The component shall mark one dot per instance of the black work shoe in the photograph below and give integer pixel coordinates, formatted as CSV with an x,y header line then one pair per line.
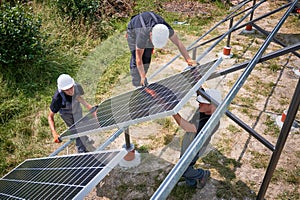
x,y
183,184
202,181
82,150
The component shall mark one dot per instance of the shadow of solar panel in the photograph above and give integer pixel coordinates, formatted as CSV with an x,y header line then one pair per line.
x,y
64,177
157,100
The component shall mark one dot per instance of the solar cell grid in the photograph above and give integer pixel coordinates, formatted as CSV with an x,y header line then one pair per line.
x,y
64,177
145,103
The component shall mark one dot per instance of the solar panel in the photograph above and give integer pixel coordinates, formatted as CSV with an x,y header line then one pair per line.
x,y
159,99
60,177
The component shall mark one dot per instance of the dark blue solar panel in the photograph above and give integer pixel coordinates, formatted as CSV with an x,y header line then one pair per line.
x,y
145,103
62,177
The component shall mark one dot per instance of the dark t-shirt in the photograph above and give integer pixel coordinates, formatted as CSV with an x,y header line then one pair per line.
x,y
199,120
138,36
57,100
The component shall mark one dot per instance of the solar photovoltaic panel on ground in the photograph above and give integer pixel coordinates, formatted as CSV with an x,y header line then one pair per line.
x,y
157,100
60,177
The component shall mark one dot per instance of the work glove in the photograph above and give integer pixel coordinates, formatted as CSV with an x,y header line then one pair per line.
x,y
57,138
191,62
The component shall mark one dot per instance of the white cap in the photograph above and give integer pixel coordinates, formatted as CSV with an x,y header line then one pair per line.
x,y
160,35
65,82
213,93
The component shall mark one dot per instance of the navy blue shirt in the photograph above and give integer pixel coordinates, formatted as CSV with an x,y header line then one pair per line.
x,y
57,100
139,36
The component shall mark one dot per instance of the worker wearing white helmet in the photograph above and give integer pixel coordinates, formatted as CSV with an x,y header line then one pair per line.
x,y
66,101
197,178
146,31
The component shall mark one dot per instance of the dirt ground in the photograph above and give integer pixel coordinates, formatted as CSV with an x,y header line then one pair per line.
x,y
255,104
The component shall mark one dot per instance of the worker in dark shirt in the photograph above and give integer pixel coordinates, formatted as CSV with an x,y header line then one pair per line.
x,y
145,32
66,101
197,178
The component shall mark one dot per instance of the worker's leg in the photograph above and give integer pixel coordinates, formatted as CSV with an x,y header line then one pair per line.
x,y
196,177
80,144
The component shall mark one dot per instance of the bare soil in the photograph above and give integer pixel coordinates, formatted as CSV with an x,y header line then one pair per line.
x,y
242,160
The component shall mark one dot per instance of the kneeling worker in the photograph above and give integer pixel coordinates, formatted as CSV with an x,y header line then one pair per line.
x,y
197,178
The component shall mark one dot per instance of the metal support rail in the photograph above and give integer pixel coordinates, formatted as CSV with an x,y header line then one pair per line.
x,y
263,16
293,108
62,147
110,139
228,32
244,24
284,133
195,42
251,16
242,124
100,148
275,40
269,56
168,184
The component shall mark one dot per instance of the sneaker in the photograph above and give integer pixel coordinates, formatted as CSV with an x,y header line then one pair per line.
x,y
82,150
202,181
90,141
183,184
88,144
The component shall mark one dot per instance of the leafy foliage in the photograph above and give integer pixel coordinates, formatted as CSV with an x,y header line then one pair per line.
x,y
78,9
21,39
99,17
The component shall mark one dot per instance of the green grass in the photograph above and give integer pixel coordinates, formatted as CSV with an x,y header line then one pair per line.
x,y
289,176
166,123
228,186
271,128
182,192
289,195
233,129
260,160
142,149
25,95
234,189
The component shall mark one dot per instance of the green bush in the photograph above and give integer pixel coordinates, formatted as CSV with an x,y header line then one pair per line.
x,y
98,18
20,36
9,109
77,9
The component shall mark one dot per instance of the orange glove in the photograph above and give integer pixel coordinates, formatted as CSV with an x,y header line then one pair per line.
x,y
190,62
57,138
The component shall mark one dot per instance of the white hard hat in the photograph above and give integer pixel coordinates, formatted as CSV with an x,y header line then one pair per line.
x,y
160,35
215,94
65,82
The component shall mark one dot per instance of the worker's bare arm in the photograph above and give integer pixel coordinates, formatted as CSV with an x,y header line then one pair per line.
x,y
174,38
184,124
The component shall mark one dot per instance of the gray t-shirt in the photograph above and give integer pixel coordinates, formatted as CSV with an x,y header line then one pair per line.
x,y
139,35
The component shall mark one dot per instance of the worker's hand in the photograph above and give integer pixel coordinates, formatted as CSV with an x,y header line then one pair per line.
x,y
93,111
191,62
144,82
56,138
